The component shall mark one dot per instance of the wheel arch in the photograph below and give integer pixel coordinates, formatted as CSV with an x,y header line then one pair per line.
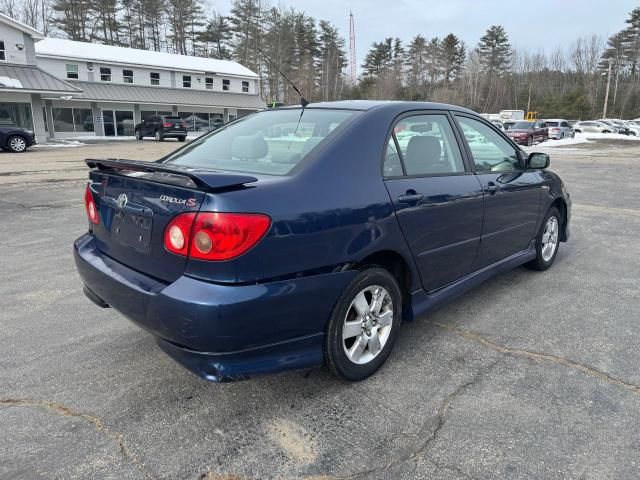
x,y
395,264
561,205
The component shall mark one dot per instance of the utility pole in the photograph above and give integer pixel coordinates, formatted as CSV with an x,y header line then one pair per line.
x,y
606,95
352,50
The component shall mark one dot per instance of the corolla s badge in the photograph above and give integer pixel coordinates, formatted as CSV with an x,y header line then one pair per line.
x,y
187,202
122,200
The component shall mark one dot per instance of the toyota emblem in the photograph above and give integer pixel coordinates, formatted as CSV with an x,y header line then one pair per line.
x,y
122,200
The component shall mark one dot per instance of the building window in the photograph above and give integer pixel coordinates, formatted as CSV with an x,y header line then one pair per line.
x,y
3,52
72,71
208,83
186,81
155,78
72,120
127,76
226,84
245,87
105,74
16,114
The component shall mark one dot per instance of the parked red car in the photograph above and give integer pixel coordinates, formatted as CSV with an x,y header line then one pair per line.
x,y
528,133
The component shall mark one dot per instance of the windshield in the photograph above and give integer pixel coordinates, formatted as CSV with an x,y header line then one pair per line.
x,y
270,142
522,126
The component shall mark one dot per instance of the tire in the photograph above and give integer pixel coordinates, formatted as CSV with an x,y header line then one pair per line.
x,y
17,144
182,139
158,136
356,357
529,141
544,255
606,131
576,131
562,136
139,135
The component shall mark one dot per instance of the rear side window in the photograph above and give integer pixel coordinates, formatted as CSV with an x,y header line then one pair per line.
x,y
270,142
427,146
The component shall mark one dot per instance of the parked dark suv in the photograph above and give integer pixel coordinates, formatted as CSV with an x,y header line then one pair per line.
x,y
16,139
161,127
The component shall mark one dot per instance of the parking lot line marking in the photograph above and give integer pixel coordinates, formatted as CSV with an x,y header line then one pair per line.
x,y
516,352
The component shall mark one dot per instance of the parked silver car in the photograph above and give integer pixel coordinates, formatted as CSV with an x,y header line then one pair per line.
x,y
559,128
592,127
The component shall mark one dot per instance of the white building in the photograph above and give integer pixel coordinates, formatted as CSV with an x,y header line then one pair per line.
x,y
62,88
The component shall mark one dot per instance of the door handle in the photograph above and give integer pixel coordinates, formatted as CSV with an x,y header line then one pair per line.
x,y
410,198
491,188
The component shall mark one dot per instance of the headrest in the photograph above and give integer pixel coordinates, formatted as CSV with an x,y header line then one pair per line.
x,y
423,149
249,147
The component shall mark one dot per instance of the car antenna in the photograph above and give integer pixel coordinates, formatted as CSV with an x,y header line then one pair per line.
x,y
303,101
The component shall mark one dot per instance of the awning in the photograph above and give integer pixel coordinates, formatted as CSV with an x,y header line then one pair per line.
x,y
109,92
31,79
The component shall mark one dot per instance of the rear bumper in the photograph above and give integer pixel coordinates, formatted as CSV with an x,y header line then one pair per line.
x,y
220,332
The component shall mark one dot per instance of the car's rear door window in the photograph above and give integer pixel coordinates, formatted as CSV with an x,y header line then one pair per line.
x,y
427,146
269,142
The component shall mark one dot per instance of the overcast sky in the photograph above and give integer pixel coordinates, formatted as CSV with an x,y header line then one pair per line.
x,y
535,24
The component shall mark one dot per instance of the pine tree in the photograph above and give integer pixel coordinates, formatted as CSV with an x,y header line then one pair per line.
x,y
416,67
216,37
452,52
245,19
494,51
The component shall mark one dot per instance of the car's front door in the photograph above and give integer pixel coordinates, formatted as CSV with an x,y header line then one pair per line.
x,y
512,194
438,201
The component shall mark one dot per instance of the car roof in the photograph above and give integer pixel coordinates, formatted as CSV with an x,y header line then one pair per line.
x,y
396,105
555,120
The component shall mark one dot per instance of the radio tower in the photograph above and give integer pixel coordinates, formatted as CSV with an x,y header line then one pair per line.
x,y
352,50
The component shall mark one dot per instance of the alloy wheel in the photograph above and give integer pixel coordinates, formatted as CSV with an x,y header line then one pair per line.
x,y
17,144
550,238
367,324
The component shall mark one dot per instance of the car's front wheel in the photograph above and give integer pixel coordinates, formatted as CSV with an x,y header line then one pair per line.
x,y
547,241
364,325
158,136
139,135
529,141
182,139
16,144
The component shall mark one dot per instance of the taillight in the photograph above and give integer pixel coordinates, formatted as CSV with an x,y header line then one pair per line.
x,y
178,232
90,206
166,124
215,236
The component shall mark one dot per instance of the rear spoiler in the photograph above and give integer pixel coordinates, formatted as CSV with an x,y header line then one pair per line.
x,y
174,174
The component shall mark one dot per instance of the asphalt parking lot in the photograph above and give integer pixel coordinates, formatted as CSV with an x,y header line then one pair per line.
x,y
531,375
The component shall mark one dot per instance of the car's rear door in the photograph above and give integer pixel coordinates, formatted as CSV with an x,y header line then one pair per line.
x,y
437,199
512,194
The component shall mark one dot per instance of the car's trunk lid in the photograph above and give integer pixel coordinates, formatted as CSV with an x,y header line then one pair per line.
x,y
136,201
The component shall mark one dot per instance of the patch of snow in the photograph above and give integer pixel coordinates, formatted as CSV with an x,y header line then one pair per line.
x,y
582,138
61,48
10,82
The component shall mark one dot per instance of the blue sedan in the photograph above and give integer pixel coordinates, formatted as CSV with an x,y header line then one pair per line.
x,y
298,237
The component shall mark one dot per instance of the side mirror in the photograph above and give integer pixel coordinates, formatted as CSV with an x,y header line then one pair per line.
x,y
538,160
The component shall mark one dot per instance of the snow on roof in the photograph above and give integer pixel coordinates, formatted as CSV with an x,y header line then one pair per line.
x,y
96,52
35,34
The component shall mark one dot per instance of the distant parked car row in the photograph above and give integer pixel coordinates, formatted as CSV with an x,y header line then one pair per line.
x,y
609,125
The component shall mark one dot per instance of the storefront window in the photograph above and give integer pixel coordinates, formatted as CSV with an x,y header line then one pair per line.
x,y
72,120
18,114
83,118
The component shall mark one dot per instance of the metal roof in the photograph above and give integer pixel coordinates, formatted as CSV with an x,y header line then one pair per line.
x,y
109,92
29,78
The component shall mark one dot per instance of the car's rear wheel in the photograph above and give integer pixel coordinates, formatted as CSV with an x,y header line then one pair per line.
x,y
547,241
139,135
562,136
182,139
158,136
529,141
364,325
16,144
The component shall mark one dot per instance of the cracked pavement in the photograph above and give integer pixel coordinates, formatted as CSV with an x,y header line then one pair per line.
x,y
531,375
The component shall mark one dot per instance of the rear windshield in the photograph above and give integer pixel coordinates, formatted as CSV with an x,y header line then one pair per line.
x,y
270,142
523,125
552,124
